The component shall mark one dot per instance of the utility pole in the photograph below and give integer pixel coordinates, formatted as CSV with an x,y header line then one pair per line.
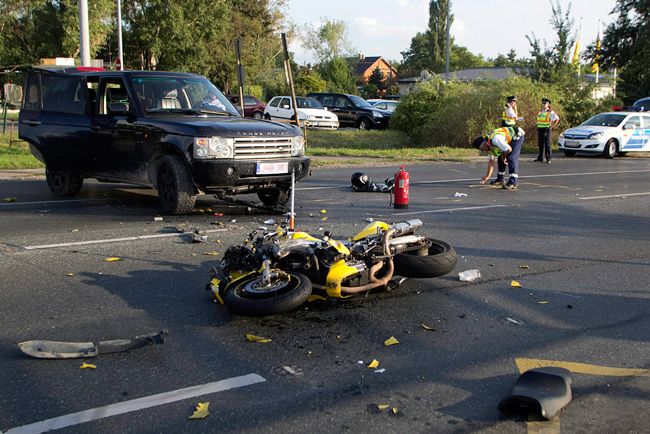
x,y
447,40
120,54
84,39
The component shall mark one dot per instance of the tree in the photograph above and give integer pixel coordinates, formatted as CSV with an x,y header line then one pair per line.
x,y
338,75
437,32
328,41
626,45
378,79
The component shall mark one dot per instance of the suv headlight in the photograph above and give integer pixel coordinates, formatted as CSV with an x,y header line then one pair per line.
x,y
376,114
297,145
595,135
213,147
562,135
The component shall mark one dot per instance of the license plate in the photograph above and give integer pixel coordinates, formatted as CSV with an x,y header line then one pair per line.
x,y
571,144
272,168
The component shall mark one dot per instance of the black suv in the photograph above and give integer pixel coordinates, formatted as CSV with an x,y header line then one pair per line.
x,y
353,111
174,131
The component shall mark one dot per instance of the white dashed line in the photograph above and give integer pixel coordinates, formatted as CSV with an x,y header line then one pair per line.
x,y
468,208
622,195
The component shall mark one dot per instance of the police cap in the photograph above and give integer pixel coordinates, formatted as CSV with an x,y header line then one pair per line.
x,y
511,98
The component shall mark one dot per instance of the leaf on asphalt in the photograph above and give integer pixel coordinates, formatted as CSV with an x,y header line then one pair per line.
x,y
374,364
314,297
9,199
542,302
85,365
211,253
258,339
525,266
382,407
426,327
391,341
112,259
515,284
201,411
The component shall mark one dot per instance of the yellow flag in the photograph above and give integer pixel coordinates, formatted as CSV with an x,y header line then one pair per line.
x,y
575,60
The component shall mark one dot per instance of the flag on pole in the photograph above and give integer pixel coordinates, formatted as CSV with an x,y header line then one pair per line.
x,y
575,59
595,67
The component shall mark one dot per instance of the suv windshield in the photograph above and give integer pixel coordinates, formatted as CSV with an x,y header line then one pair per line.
x,y
605,120
360,102
180,95
310,103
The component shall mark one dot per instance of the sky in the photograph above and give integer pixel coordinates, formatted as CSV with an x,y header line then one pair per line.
x,y
488,27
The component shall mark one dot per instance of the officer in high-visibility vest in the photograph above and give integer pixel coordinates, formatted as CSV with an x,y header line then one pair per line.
x,y
509,117
504,142
547,119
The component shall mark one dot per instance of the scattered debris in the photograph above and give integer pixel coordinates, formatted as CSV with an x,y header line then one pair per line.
x,y
544,391
391,341
370,220
269,222
514,321
525,266
460,194
515,284
70,274
217,214
324,219
112,259
157,219
198,236
315,297
427,327
233,221
382,407
374,364
542,302
380,371
75,350
462,315
75,230
211,253
8,199
85,365
568,306
469,275
323,211
394,410
258,339
201,411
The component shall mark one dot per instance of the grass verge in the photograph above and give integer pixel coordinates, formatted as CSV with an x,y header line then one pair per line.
x,y
15,154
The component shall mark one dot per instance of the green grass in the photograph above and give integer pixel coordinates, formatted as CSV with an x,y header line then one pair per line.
x,y
16,155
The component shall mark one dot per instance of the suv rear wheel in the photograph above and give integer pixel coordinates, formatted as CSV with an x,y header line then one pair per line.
x,y
364,124
63,183
274,196
176,190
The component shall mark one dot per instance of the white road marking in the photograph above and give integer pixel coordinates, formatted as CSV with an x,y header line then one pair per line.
x,y
614,195
115,240
556,175
137,404
467,208
45,202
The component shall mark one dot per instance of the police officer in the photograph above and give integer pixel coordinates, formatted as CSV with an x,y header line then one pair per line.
x,y
547,119
502,143
509,117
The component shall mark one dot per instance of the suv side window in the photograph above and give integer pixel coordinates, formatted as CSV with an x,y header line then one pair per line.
x,y
275,102
63,94
341,102
32,95
327,101
285,101
112,90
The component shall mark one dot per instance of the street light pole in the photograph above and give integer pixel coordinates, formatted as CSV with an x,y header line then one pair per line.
x,y
84,39
120,55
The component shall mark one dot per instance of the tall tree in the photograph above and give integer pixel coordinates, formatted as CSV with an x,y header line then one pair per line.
x,y
328,41
437,32
626,45
378,79
338,74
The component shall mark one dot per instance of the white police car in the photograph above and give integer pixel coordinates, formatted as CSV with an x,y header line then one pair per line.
x,y
608,134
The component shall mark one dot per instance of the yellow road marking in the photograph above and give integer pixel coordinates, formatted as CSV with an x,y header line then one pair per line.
x,y
524,364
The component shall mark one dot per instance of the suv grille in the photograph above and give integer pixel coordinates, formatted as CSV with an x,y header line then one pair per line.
x,y
256,148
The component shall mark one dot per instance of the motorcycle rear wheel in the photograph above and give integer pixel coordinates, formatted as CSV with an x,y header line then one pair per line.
x,y
438,260
248,296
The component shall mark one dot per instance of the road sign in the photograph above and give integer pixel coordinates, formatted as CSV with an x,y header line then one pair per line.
x,y
118,63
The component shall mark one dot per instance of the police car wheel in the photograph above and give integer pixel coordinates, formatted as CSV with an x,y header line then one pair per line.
x,y
610,149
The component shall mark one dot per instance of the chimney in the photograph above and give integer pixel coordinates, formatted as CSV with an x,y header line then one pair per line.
x,y
362,56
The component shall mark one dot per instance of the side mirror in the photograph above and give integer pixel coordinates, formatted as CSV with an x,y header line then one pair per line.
x,y
325,108
118,108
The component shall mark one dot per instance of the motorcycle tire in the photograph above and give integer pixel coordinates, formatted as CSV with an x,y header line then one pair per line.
x,y
438,260
247,297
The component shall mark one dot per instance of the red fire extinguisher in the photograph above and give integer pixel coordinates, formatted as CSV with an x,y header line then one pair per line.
x,y
401,189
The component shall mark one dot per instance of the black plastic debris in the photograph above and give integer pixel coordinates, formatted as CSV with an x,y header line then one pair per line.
x,y
543,391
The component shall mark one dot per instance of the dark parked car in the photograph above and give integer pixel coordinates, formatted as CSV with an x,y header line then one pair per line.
x,y
353,111
174,131
253,107
642,105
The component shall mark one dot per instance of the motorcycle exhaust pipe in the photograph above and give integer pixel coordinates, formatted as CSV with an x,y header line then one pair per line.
x,y
407,227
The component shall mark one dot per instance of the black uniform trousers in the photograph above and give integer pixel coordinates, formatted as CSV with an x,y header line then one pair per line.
x,y
544,143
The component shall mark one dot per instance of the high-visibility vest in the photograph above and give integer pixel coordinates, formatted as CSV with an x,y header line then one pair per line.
x,y
544,119
507,120
507,132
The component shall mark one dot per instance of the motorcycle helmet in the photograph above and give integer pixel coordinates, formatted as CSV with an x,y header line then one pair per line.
x,y
360,181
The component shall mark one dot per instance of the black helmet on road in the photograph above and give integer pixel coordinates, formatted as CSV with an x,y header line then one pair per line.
x,y
360,180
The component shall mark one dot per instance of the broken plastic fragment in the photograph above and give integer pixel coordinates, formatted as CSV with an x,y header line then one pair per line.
x,y
201,411
391,341
258,339
374,364
380,371
460,194
70,274
514,321
157,219
269,222
525,266
314,297
515,284
112,259
211,253
469,275
85,365
542,302
324,219
323,211
9,199
426,327
394,410
382,407
370,220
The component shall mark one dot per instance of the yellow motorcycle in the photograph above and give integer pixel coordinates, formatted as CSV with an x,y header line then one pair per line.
x,y
276,272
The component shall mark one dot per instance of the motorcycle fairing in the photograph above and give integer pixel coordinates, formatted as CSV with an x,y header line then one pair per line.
x,y
371,230
337,273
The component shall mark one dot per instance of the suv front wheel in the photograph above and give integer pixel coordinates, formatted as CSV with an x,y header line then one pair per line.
x,y
274,196
63,183
176,190
364,124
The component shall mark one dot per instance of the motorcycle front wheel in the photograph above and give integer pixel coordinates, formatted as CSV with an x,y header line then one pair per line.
x,y
435,261
250,296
